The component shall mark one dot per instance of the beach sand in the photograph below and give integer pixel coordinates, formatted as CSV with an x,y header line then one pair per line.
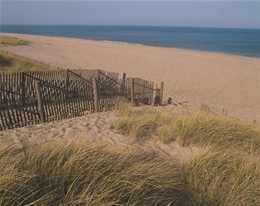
x,y
190,77
96,129
221,81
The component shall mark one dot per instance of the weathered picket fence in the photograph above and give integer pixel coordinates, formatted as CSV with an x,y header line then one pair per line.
x,y
42,96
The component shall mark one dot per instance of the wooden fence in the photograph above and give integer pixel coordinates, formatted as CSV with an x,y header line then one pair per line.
x,y
42,96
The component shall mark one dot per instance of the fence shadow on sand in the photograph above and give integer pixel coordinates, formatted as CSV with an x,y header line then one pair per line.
x,y
43,96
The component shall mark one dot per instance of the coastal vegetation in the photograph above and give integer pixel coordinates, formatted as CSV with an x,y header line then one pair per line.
x,y
138,124
11,63
75,172
188,127
12,41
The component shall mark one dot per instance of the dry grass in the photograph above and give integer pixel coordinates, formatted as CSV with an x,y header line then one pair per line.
x,y
75,172
200,129
12,41
222,177
10,63
138,124
165,127
228,171
130,123
208,129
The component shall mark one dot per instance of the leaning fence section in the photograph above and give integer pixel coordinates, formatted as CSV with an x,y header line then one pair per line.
x,y
17,102
110,91
144,92
42,96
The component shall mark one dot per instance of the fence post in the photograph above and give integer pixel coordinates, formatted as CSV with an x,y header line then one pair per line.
x,y
40,103
123,82
154,94
67,79
161,93
98,73
132,91
95,92
23,89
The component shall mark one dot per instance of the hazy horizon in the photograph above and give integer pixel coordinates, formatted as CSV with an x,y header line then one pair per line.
x,y
202,14
125,26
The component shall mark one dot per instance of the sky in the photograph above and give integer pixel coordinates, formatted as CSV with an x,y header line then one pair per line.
x,y
219,13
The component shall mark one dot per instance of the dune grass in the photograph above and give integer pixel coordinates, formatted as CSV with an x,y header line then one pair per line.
x,y
10,63
137,125
165,130
131,123
12,41
208,129
188,127
222,177
227,172
75,172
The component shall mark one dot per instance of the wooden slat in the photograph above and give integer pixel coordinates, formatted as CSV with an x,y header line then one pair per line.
x,y
64,94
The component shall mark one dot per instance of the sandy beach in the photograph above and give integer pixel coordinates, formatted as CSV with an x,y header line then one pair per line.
x,y
218,80
190,77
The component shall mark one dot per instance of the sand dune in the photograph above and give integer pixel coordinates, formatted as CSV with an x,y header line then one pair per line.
x,y
95,128
190,77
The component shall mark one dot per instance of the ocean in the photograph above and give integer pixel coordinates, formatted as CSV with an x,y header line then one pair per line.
x,y
243,42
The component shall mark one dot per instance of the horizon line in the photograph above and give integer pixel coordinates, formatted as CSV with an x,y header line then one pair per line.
x,y
121,25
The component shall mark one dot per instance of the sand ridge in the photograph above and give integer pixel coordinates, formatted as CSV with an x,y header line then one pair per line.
x,y
95,129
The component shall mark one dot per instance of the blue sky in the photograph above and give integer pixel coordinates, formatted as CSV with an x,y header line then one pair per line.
x,y
224,14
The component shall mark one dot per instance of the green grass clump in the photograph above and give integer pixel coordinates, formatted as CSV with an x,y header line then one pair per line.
x,y
131,123
10,63
222,177
77,173
134,126
227,171
12,41
165,127
165,134
123,110
207,129
189,128
138,124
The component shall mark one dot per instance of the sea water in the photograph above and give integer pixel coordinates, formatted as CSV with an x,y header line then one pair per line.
x,y
243,42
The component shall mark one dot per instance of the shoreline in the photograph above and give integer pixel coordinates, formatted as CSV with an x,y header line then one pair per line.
x,y
168,47
129,43
221,81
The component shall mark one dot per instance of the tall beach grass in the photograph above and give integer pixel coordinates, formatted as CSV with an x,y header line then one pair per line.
x,y
208,129
12,41
188,127
11,63
75,172
222,177
137,124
